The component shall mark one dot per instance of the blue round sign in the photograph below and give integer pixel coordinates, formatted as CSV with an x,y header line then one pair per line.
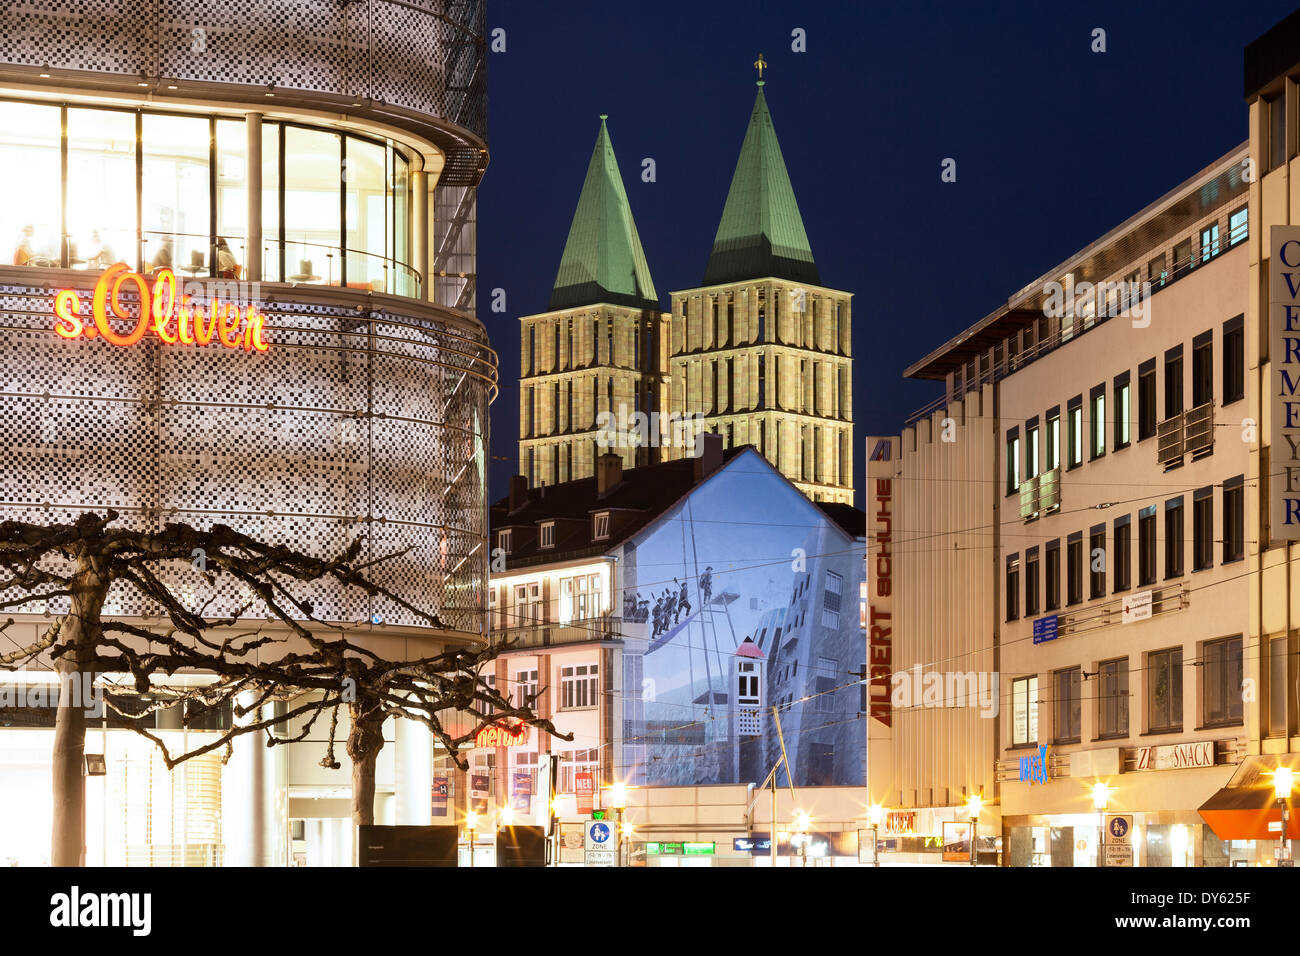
x,y
1118,826
599,832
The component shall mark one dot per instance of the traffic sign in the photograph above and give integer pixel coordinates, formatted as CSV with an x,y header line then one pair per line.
x,y
1119,854
1045,628
599,843
1118,828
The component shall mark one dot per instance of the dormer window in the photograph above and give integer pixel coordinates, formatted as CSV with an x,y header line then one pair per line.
x,y
503,540
548,534
600,525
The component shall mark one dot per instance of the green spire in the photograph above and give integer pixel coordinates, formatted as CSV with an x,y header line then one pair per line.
x,y
603,260
761,233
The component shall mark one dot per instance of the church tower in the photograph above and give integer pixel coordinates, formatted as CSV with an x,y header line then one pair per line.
x,y
597,357
762,350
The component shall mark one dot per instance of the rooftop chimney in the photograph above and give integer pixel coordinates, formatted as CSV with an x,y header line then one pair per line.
x,y
708,454
518,492
609,473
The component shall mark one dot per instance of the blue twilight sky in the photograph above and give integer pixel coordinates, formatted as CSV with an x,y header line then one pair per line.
x,y
1054,145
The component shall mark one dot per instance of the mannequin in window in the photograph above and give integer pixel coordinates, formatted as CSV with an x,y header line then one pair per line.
x,y
23,252
227,266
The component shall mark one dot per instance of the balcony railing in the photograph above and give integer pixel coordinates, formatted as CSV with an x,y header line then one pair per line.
x,y
1190,432
1040,494
607,627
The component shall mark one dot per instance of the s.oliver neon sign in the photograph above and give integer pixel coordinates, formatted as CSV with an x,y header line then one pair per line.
x,y
174,318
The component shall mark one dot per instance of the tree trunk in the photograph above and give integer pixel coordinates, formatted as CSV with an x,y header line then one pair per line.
x,y
365,740
68,833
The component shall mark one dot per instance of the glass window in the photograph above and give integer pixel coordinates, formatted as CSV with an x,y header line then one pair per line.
x,y
1075,436
1202,369
1112,703
1147,399
174,201
1054,439
369,232
1068,709
1097,423
1174,544
1238,226
1157,271
399,216
29,166
1147,546
1097,564
1223,681
271,270
1013,461
1031,452
1234,520
1052,575
311,206
1210,241
1123,411
1013,587
232,198
578,686
1031,582
1024,710
1165,690
1074,571
101,188
1173,382
1234,361
1123,554
1203,530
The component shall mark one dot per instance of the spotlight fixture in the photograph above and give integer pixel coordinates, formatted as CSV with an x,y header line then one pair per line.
x,y
270,89
144,79
45,72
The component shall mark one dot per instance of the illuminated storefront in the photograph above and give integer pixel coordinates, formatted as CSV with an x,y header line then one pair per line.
x,y
239,287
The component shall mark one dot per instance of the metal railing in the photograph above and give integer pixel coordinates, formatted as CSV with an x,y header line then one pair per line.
x,y
1190,432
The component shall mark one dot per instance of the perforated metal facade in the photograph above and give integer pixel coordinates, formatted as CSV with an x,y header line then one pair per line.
x,y
422,56
366,417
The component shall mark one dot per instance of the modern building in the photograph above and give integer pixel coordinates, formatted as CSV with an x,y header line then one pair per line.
x,y
1125,584
661,626
318,169
599,349
762,351
760,354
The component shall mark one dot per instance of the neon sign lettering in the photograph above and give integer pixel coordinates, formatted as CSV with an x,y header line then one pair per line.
x,y
176,320
502,735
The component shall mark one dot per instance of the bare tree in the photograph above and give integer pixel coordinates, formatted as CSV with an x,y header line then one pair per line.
x,y
279,653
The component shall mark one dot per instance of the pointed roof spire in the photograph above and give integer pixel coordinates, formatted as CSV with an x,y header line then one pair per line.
x,y
603,260
761,233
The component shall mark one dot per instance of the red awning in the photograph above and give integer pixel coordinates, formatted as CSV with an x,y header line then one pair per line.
x,y
1247,807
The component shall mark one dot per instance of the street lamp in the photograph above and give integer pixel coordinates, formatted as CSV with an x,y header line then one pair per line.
x,y
1282,783
618,800
1100,797
801,823
507,817
471,822
973,807
877,816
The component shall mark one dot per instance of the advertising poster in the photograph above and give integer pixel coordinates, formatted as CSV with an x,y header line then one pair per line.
x,y
441,791
700,582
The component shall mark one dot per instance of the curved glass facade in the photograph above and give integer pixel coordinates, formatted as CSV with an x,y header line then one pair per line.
x,y
96,185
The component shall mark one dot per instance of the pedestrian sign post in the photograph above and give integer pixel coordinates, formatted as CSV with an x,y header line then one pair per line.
x,y
600,843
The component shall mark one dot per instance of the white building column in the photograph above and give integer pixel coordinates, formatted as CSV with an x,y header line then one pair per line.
x,y
253,178
420,237
254,799
413,772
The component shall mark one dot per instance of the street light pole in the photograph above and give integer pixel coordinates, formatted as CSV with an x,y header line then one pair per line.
x,y
471,820
973,807
1100,797
1282,783
877,813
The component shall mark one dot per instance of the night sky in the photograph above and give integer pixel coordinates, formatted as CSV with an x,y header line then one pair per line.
x,y
1054,145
